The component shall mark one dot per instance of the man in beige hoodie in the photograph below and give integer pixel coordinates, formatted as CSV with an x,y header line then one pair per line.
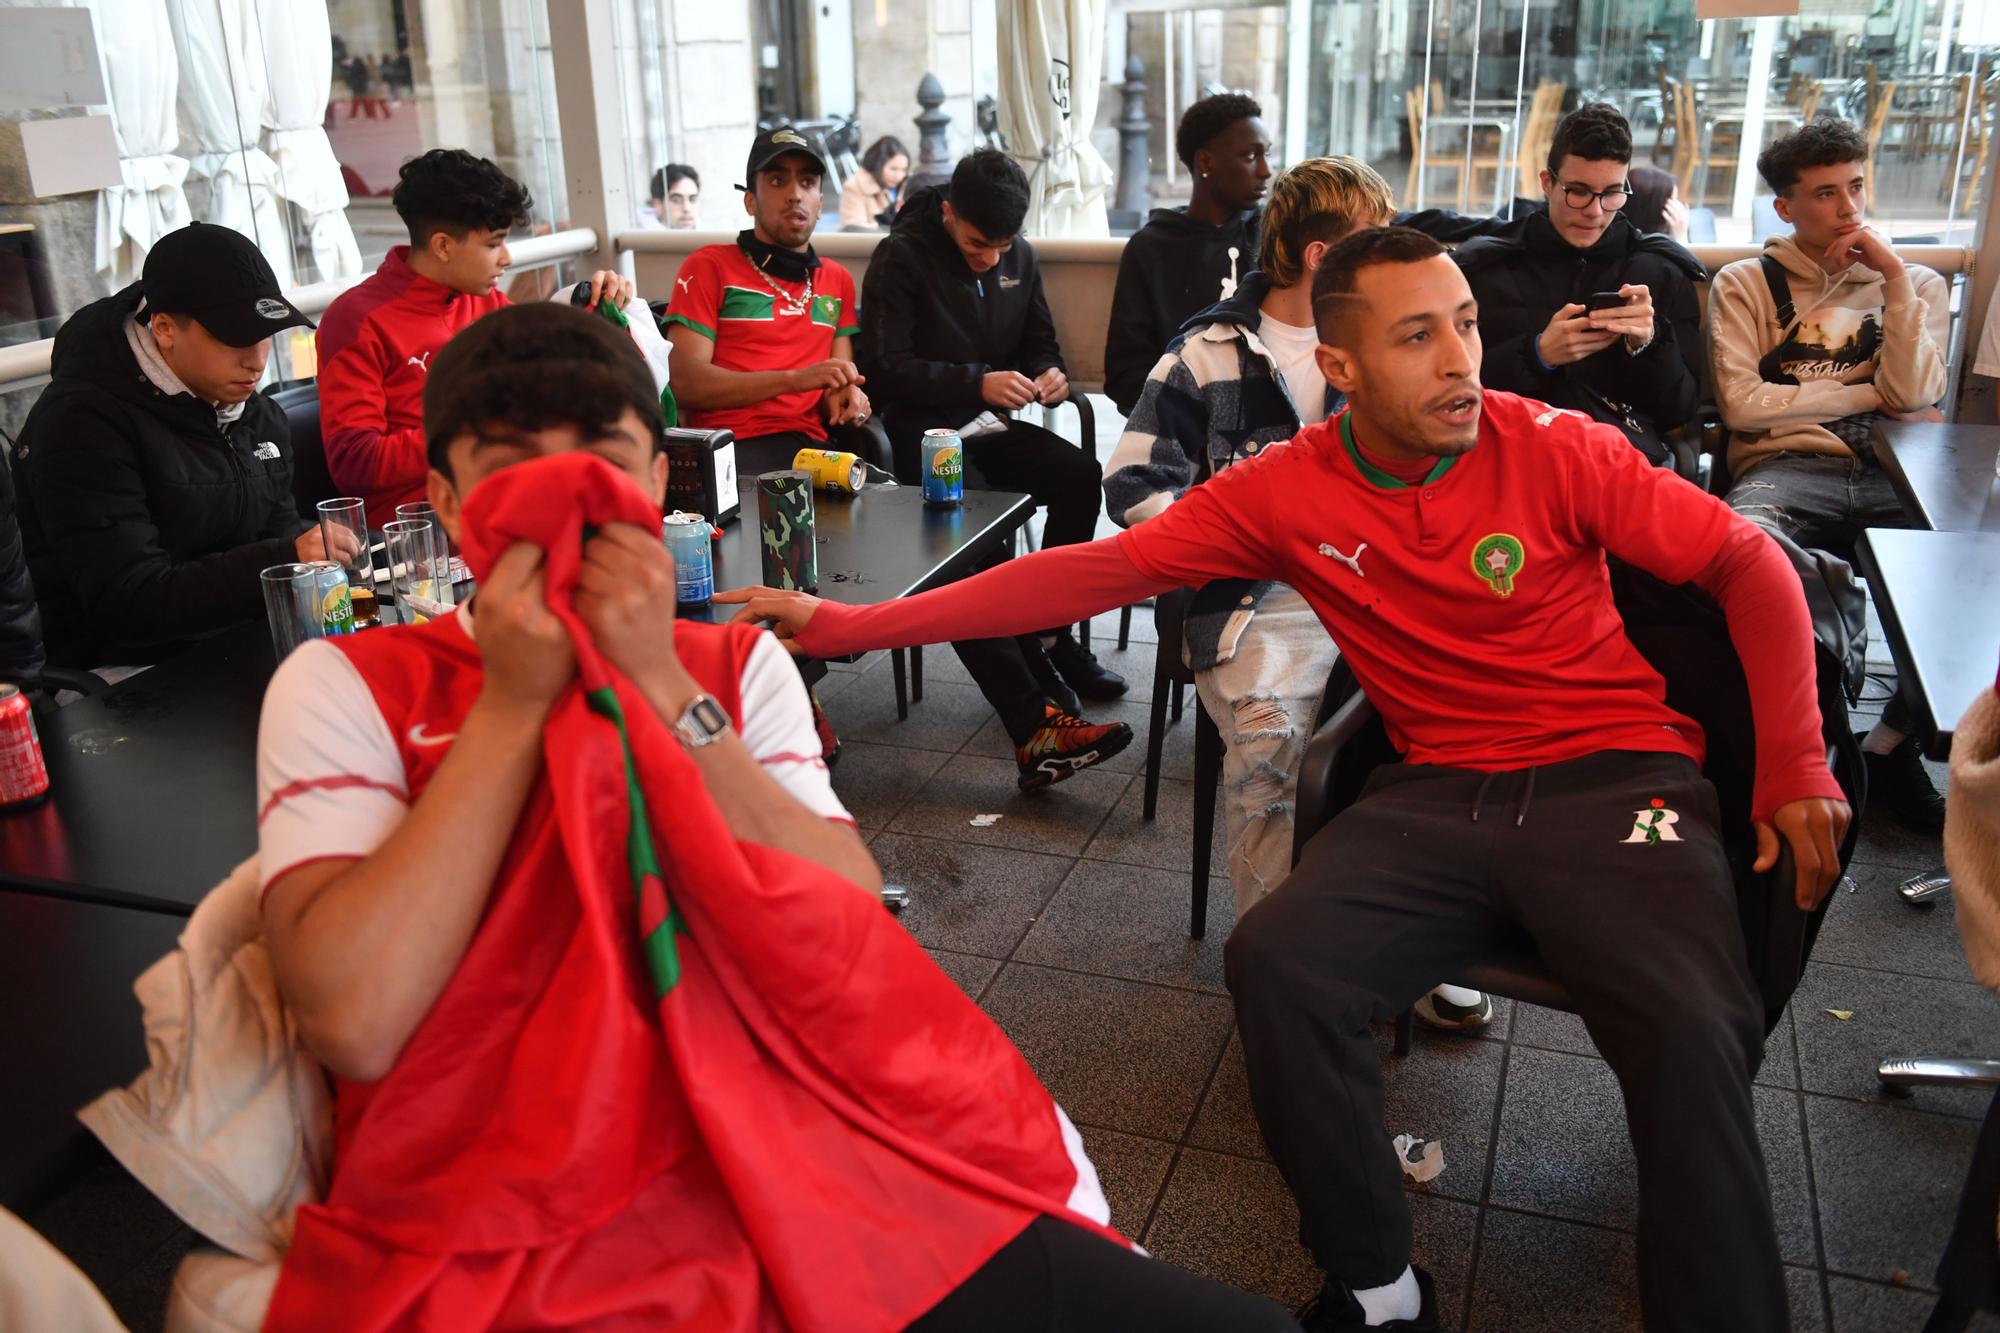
x,y
1811,343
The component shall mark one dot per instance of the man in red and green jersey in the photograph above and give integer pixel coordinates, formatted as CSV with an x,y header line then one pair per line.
x,y
763,330
1454,543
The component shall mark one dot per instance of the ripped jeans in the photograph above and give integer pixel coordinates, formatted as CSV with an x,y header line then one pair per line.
x,y
1264,700
1821,501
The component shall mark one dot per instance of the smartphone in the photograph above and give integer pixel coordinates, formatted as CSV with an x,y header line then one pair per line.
x,y
1603,301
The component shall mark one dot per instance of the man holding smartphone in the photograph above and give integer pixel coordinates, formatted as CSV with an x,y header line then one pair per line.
x,y
1579,308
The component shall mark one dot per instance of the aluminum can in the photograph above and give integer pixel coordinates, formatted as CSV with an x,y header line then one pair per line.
x,y
831,469
687,541
944,469
331,595
24,775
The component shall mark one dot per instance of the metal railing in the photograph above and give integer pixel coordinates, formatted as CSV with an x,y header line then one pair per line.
x,y
26,365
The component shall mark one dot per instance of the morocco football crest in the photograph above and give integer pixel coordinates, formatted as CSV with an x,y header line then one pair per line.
x,y
1498,559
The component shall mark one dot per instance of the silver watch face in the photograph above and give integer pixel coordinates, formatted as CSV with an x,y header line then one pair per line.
x,y
704,719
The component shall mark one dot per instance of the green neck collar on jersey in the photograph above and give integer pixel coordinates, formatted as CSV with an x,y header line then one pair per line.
x,y
1375,475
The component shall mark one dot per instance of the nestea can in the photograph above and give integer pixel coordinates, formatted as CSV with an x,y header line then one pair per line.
x,y
944,469
24,775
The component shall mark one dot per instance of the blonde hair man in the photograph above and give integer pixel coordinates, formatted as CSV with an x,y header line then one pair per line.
x,y
1243,376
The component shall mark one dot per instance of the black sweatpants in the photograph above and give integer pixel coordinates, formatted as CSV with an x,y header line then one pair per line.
x,y
1014,675
1058,1278
1611,866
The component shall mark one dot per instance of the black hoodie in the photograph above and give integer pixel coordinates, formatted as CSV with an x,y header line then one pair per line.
x,y
931,328
1524,275
146,520
1172,269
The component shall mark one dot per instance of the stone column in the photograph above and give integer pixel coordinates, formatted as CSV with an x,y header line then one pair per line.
x,y
1135,193
934,160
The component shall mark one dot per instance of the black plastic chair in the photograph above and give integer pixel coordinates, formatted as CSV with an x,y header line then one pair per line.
x,y
312,481
1170,677
1682,634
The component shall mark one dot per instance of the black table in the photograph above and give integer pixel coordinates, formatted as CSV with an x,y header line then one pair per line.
x,y
153,785
1943,473
1938,594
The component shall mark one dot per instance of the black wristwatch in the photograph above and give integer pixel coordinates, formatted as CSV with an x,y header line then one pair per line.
x,y
702,723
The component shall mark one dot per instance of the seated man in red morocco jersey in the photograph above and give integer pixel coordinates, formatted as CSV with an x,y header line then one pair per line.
x,y
1453,541
621,1036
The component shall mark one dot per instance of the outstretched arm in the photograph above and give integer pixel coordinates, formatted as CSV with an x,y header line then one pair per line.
x,y
1053,587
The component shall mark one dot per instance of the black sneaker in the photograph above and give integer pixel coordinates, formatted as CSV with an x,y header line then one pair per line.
x,y
1334,1310
1065,744
1898,782
1082,672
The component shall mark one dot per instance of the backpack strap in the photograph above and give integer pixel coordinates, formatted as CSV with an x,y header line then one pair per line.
x,y
1781,290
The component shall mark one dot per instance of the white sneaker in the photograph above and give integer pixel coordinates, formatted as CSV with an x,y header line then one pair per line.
x,y
1439,1011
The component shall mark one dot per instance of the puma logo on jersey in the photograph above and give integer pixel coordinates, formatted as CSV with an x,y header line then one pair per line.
x,y
266,450
1353,562
420,362
418,736
1550,414
681,283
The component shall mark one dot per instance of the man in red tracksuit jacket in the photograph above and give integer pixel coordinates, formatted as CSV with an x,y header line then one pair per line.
x,y
376,341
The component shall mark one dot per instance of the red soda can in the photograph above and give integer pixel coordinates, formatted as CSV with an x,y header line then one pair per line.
x,y
24,776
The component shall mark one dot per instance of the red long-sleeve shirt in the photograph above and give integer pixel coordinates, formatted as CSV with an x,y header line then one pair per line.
x,y
375,347
1474,605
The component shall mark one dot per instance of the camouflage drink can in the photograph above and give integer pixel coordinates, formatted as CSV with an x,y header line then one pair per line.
x,y
24,774
944,469
785,531
833,470
332,597
694,566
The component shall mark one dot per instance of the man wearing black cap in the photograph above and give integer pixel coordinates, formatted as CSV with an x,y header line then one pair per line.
x,y
763,330
155,479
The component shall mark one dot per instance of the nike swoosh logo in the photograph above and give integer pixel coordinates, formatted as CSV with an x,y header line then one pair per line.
x,y
419,737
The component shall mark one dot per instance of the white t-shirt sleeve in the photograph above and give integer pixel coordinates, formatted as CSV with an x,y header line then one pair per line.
x,y
778,729
1987,362
330,780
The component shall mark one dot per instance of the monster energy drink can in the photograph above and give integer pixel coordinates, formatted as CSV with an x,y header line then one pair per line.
x,y
944,469
785,531
694,566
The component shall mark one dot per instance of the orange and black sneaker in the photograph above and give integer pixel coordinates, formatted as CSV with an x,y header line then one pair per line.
x,y
829,744
1066,744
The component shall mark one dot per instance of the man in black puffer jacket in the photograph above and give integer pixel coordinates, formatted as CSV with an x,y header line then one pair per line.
x,y
1636,366
156,482
22,658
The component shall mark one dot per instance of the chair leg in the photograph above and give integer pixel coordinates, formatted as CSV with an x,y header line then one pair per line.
x,y
1156,730
1947,1316
1406,1031
1178,692
902,685
1124,628
917,674
1207,777
1083,634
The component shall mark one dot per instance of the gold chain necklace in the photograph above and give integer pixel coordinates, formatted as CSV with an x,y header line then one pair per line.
x,y
791,305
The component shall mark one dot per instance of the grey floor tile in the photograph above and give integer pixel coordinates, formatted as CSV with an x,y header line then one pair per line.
x,y
1537,1274
1874,927
945,720
967,898
1446,1089
1888,1181
1233,1220
1892,1015
1134,663
970,972
1061,819
1128,921
1808,1302
1104,627
1130,1170
866,662
1564,1149
1225,1122
874,782
1870,1307
1115,1053
1559,1030
1884,842
1167,841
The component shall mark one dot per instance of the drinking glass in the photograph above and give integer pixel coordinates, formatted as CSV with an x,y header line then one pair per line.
x,y
343,526
291,602
420,568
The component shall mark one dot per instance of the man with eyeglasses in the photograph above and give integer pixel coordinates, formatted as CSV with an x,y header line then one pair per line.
x,y
1579,308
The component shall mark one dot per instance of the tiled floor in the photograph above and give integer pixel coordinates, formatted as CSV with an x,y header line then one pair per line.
x,y
1067,920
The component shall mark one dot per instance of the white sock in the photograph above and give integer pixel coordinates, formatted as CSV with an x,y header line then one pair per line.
x,y
1882,738
1462,996
1399,1300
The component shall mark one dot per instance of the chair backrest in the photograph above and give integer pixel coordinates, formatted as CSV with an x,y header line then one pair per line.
x,y
311,480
